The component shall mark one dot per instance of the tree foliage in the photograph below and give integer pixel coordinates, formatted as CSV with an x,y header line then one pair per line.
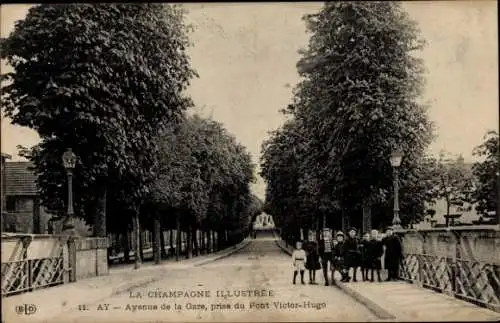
x,y
448,178
358,100
104,80
486,173
205,175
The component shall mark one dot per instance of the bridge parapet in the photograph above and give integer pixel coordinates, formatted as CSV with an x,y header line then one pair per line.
x,y
32,261
463,262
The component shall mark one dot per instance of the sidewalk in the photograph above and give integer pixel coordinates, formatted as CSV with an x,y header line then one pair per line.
x,y
54,300
403,301
410,302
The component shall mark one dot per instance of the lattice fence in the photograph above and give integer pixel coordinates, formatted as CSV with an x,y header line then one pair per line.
x,y
473,281
26,275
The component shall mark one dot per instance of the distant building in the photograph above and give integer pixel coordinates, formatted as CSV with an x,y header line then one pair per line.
x,y
21,209
263,221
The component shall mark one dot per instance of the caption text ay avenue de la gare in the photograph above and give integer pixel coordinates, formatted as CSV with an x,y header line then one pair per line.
x,y
191,306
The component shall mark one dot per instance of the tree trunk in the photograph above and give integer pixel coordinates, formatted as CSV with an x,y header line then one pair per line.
x,y
153,238
171,249
163,254
220,240
196,242
212,241
184,242
202,241
178,238
126,246
189,242
205,242
209,241
137,233
141,243
36,217
345,221
158,235
203,246
100,215
367,216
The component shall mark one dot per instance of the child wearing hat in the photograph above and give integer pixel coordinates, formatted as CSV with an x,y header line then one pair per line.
x,y
299,261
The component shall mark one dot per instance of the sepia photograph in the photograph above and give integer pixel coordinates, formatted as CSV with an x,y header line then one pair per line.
x,y
250,162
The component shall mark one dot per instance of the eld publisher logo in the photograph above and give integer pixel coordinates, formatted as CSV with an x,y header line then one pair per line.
x,y
26,309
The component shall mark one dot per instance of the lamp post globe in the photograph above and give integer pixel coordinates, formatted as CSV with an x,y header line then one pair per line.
x,y
69,161
395,159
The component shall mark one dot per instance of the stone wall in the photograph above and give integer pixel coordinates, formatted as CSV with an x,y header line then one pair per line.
x,y
91,257
475,243
38,246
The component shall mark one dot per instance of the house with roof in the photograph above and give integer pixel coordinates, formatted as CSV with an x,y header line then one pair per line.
x,y
21,208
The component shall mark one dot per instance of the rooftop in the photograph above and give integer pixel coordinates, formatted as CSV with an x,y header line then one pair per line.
x,y
20,179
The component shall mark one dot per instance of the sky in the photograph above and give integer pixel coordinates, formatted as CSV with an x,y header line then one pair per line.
x,y
246,53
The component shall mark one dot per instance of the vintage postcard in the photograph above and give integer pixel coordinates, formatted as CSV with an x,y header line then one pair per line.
x,y
250,162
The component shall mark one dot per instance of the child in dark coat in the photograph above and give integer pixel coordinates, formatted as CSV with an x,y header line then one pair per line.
x,y
312,262
351,255
338,257
376,251
366,255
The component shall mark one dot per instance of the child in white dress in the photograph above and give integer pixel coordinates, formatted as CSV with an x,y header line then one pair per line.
x,y
299,262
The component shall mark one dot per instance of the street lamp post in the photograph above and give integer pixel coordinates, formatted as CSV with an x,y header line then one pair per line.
x,y
69,162
396,158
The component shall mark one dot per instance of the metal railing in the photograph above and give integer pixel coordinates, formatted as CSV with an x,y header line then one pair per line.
x,y
30,274
473,281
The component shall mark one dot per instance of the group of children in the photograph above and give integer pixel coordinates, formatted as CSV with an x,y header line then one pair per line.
x,y
346,253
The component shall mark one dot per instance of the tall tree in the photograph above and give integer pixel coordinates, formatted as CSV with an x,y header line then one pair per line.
x,y
361,96
281,157
453,182
103,79
418,190
357,102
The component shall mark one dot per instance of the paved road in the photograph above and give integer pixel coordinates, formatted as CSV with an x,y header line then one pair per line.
x,y
260,268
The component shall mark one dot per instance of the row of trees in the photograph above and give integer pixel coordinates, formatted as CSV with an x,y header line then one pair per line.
x,y
358,101
109,81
